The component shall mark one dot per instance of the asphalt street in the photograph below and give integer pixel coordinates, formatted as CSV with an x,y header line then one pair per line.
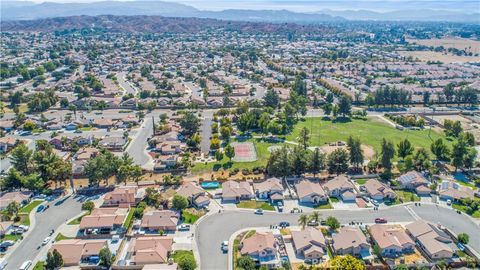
x,y
137,147
215,229
50,219
206,130
125,84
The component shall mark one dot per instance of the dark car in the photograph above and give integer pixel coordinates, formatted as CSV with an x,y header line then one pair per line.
x,y
380,220
284,224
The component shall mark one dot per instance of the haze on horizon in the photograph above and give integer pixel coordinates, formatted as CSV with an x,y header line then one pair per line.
x,y
470,6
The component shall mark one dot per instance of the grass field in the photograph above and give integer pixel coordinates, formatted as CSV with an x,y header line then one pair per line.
x,y
255,205
262,157
189,218
406,196
39,266
77,220
178,254
370,132
24,212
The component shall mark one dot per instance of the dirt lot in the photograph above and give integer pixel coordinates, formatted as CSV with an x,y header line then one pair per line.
x,y
467,124
459,43
437,56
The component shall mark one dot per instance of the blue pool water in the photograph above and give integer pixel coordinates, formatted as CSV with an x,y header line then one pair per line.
x,y
210,185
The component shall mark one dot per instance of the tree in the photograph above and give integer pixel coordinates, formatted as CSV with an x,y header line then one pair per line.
x,y
279,163
332,223
470,158
225,131
189,123
345,106
387,154
459,150
218,155
20,158
303,220
440,150
404,148
421,159
315,216
106,257
32,182
337,161
271,98
452,128
347,262
317,162
88,206
299,160
463,238
304,137
54,260
187,263
327,108
12,209
179,202
246,263
356,153
229,152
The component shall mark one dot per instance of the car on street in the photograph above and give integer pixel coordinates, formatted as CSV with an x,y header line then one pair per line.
x,y
40,208
259,212
224,246
25,133
380,220
7,243
184,227
284,224
313,223
449,202
26,265
46,240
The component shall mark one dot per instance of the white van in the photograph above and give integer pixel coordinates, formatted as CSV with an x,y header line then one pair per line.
x,y
26,265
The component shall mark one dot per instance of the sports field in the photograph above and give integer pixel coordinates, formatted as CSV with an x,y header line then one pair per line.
x,y
370,132
244,152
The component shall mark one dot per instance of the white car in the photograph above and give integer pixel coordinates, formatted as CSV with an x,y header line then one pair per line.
x,y
259,211
224,246
449,202
46,240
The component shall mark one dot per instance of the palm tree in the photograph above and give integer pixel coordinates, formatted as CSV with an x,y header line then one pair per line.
x,y
315,216
303,220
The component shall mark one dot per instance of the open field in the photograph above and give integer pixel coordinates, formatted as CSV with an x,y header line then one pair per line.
x,y
370,131
458,43
438,56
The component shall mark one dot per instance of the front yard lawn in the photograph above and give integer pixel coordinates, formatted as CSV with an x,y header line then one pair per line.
x,y
60,237
361,181
178,254
77,220
255,205
324,206
11,237
190,217
39,266
406,196
128,220
464,209
334,200
29,207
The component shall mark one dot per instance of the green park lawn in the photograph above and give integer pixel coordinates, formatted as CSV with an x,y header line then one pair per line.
x,y
255,205
370,132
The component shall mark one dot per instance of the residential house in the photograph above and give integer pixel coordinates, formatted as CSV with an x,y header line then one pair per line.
x,y
20,197
149,250
310,192
309,243
102,123
379,191
415,181
262,248
350,240
164,220
7,143
195,195
233,191
124,196
7,125
270,189
340,187
5,227
113,143
433,241
392,240
451,190
79,252
103,220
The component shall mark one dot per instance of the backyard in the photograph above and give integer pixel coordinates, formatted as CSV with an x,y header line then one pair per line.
x,y
370,131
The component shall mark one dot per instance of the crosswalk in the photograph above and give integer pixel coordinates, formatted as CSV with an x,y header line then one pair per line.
x,y
412,213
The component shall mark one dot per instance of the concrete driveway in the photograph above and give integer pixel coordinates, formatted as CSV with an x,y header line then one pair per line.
x,y
215,229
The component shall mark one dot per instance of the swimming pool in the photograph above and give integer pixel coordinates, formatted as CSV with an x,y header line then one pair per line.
x,y
210,185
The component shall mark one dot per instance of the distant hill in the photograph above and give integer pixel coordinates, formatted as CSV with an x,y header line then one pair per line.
x,y
150,24
405,15
17,10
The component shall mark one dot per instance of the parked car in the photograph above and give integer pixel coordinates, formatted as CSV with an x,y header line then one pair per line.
x,y
295,210
184,227
7,243
284,224
25,133
259,212
380,220
46,240
313,223
3,264
224,246
449,202
40,208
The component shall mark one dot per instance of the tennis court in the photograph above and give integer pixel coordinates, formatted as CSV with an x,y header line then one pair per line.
x,y
244,152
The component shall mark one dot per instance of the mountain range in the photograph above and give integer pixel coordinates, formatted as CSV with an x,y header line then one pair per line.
x,y
25,10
